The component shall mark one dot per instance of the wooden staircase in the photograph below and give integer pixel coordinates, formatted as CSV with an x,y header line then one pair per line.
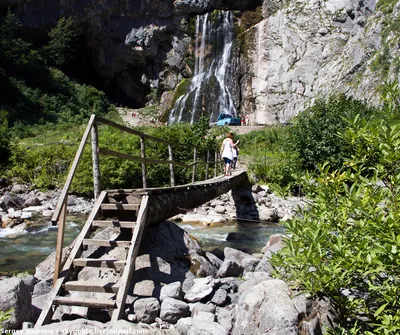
x,y
112,209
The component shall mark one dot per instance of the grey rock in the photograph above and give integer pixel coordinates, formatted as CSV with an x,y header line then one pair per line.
x,y
220,297
214,260
206,328
15,297
264,266
233,298
256,188
146,310
267,306
230,283
202,316
199,307
172,310
220,209
226,318
18,189
183,325
173,290
248,262
230,268
268,214
8,201
38,302
30,282
240,237
202,288
32,202
201,266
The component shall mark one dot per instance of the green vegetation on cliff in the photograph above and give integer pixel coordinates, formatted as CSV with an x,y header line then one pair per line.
x,y
35,93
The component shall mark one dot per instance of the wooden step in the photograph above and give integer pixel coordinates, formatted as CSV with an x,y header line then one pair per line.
x,y
107,243
114,223
99,263
91,286
68,301
119,206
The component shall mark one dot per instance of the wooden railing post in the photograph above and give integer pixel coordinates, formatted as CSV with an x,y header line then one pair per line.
x,y
221,164
171,166
96,162
60,240
194,164
215,163
207,161
143,155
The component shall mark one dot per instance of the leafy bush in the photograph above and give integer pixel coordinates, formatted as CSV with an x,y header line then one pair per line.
x,y
345,246
315,137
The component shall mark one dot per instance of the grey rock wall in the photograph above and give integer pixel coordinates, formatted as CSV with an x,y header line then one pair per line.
x,y
303,50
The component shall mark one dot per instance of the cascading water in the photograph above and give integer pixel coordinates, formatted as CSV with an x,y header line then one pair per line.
x,y
209,92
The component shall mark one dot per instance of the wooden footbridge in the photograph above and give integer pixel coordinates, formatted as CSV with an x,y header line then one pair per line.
x,y
130,210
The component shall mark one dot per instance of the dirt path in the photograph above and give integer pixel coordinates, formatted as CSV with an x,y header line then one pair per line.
x,y
240,130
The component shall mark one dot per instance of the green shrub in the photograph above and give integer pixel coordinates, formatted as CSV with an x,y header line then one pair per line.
x,y
345,246
315,134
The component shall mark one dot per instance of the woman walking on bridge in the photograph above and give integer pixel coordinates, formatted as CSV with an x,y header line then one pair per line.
x,y
226,153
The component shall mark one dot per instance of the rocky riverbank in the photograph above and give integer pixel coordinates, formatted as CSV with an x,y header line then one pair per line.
x,y
177,289
20,204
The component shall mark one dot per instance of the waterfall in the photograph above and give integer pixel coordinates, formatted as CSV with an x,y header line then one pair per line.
x,y
209,92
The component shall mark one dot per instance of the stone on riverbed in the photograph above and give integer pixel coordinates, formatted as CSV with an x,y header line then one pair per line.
x,y
16,301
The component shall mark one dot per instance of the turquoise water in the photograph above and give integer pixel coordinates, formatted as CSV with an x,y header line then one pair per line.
x,y
23,251
255,235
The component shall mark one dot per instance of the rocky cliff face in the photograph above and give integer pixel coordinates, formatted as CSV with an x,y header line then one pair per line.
x,y
307,49
285,52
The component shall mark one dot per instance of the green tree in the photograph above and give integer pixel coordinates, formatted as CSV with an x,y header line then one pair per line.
x,y
315,135
62,37
4,138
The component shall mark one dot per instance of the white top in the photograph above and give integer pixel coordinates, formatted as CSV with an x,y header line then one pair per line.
x,y
227,149
234,152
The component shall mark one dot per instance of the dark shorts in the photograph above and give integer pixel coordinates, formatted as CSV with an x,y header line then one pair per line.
x,y
227,160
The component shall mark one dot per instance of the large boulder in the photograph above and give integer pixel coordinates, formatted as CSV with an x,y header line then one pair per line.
x,y
16,302
267,307
146,310
202,288
248,262
172,310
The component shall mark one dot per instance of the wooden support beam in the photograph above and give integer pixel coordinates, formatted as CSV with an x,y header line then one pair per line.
x,y
60,240
143,156
171,165
194,164
207,163
95,303
215,163
96,161
131,258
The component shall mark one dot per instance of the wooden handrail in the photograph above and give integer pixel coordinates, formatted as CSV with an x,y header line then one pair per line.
x,y
68,182
133,131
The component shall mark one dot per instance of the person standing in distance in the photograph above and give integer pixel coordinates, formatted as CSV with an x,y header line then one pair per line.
x,y
247,119
226,153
